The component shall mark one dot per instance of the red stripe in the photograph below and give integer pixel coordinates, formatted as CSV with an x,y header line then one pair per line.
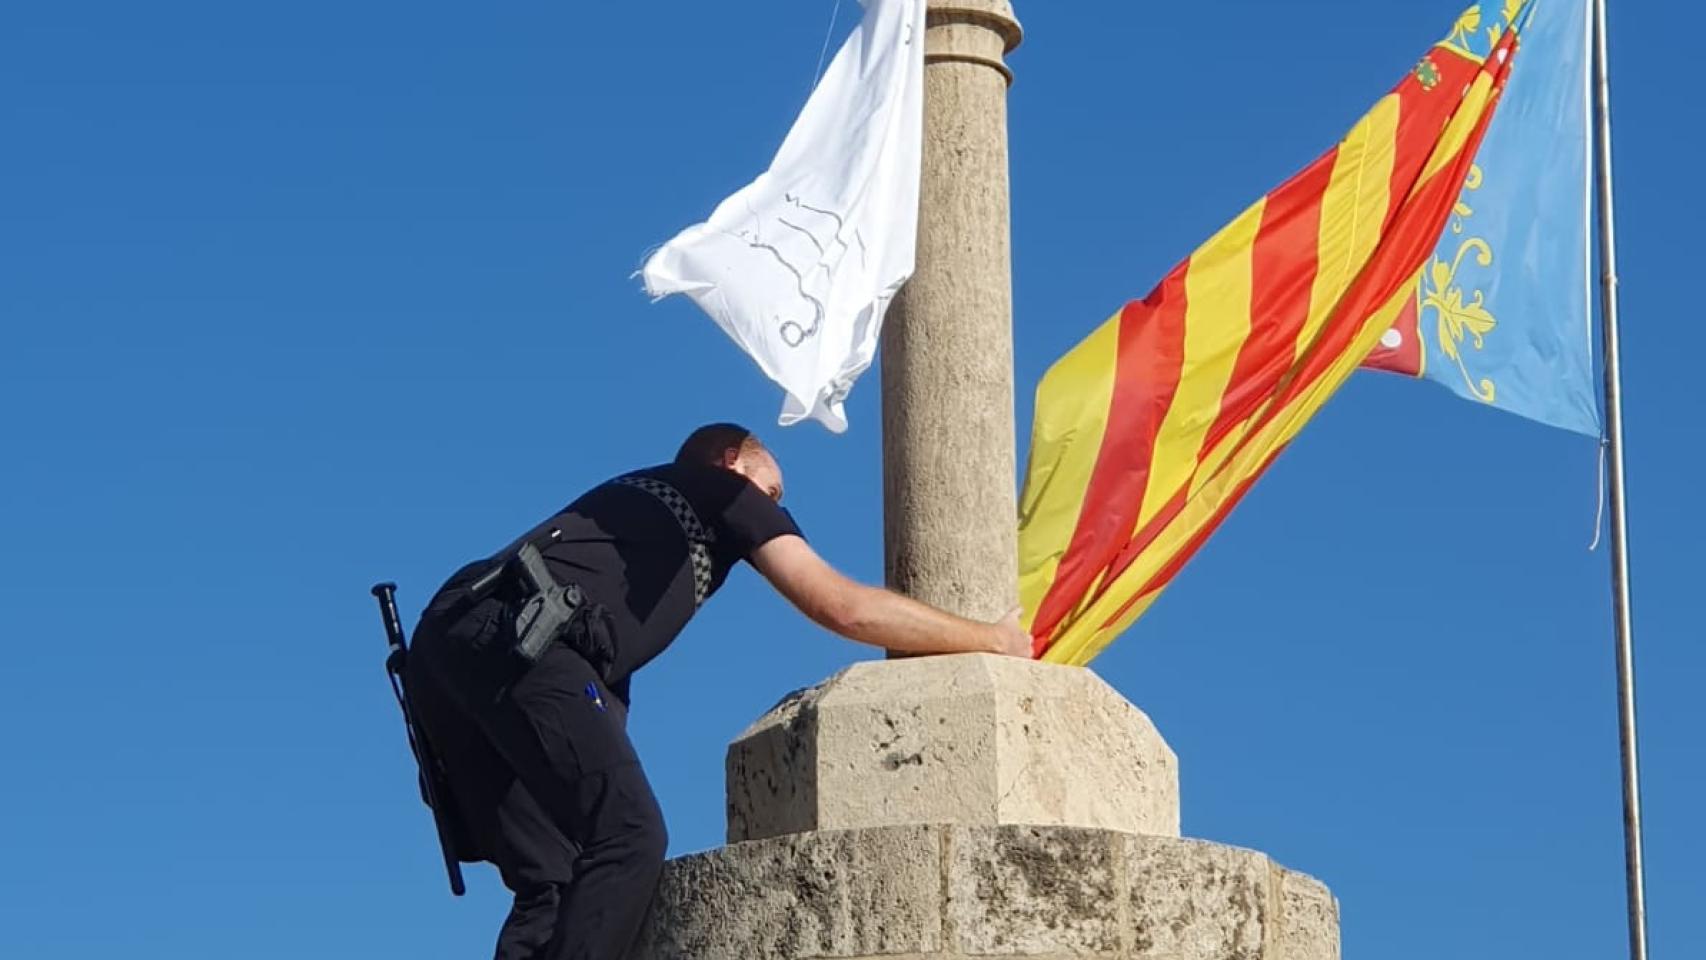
x,y
1282,268
1406,358
1421,124
1151,353
1191,546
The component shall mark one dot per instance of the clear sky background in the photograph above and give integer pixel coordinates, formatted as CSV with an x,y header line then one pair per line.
x,y
298,297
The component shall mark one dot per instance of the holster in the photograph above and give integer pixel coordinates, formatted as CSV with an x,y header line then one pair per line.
x,y
542,611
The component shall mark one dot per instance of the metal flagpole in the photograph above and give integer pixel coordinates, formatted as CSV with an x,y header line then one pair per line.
x,y
1637,896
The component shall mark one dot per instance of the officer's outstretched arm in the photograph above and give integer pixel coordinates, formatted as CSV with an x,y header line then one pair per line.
x,y
875,616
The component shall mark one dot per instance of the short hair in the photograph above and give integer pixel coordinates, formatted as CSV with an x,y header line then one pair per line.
x,y
709,443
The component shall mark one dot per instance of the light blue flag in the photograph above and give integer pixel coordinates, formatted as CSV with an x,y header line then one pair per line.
x,y
1502,312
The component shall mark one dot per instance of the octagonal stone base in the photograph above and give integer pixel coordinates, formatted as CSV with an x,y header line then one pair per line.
x,y
974,740
955,892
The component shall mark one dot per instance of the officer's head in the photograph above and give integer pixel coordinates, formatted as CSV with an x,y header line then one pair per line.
x,y
734,448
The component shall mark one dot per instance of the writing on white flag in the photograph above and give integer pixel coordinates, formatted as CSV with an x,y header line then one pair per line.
x,y
799,267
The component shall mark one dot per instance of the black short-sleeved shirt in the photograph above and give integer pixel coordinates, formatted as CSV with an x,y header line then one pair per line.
x,y
654,544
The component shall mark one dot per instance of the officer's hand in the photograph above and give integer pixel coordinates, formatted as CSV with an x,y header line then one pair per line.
x,y
1012,640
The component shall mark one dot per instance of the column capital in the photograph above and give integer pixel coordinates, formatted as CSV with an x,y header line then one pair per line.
x,y
972,31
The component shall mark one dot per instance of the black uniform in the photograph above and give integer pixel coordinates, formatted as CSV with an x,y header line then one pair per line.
x,y
546,782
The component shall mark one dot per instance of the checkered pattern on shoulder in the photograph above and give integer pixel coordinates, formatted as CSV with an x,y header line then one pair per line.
x,y
699,537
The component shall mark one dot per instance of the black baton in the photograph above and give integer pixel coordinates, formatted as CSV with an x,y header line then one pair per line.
x,y
432,788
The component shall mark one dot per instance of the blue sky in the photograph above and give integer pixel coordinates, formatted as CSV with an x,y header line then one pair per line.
x,y
289,289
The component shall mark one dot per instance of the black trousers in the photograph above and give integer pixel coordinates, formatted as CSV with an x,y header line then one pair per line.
x,y
547,785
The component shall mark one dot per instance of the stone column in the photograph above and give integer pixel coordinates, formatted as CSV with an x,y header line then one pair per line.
x,y
949,507
955,808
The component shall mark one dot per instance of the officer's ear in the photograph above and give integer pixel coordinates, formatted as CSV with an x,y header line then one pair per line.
x,y
731,456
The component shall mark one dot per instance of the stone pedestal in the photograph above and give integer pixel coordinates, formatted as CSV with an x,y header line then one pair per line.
x,y
971,806
971,740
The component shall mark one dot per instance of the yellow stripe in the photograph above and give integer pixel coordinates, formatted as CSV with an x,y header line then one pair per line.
x,y
1216,457
1458,131
1352,211
1217,322
1066,437
1081,641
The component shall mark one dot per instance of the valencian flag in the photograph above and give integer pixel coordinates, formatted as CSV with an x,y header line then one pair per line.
x,y
1149,431
1500,315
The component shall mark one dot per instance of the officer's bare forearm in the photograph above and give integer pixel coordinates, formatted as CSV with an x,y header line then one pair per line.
x,y
875,616
883,618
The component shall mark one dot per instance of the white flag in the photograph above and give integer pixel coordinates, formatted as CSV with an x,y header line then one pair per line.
x,y
800,266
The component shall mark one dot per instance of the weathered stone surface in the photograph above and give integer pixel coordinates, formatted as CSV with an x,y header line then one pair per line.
x,y
1031,891
950,893
1191,900
770,772
976,740
849,894
1309,918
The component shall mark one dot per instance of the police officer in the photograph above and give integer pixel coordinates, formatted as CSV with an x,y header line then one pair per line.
x,y
544,780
